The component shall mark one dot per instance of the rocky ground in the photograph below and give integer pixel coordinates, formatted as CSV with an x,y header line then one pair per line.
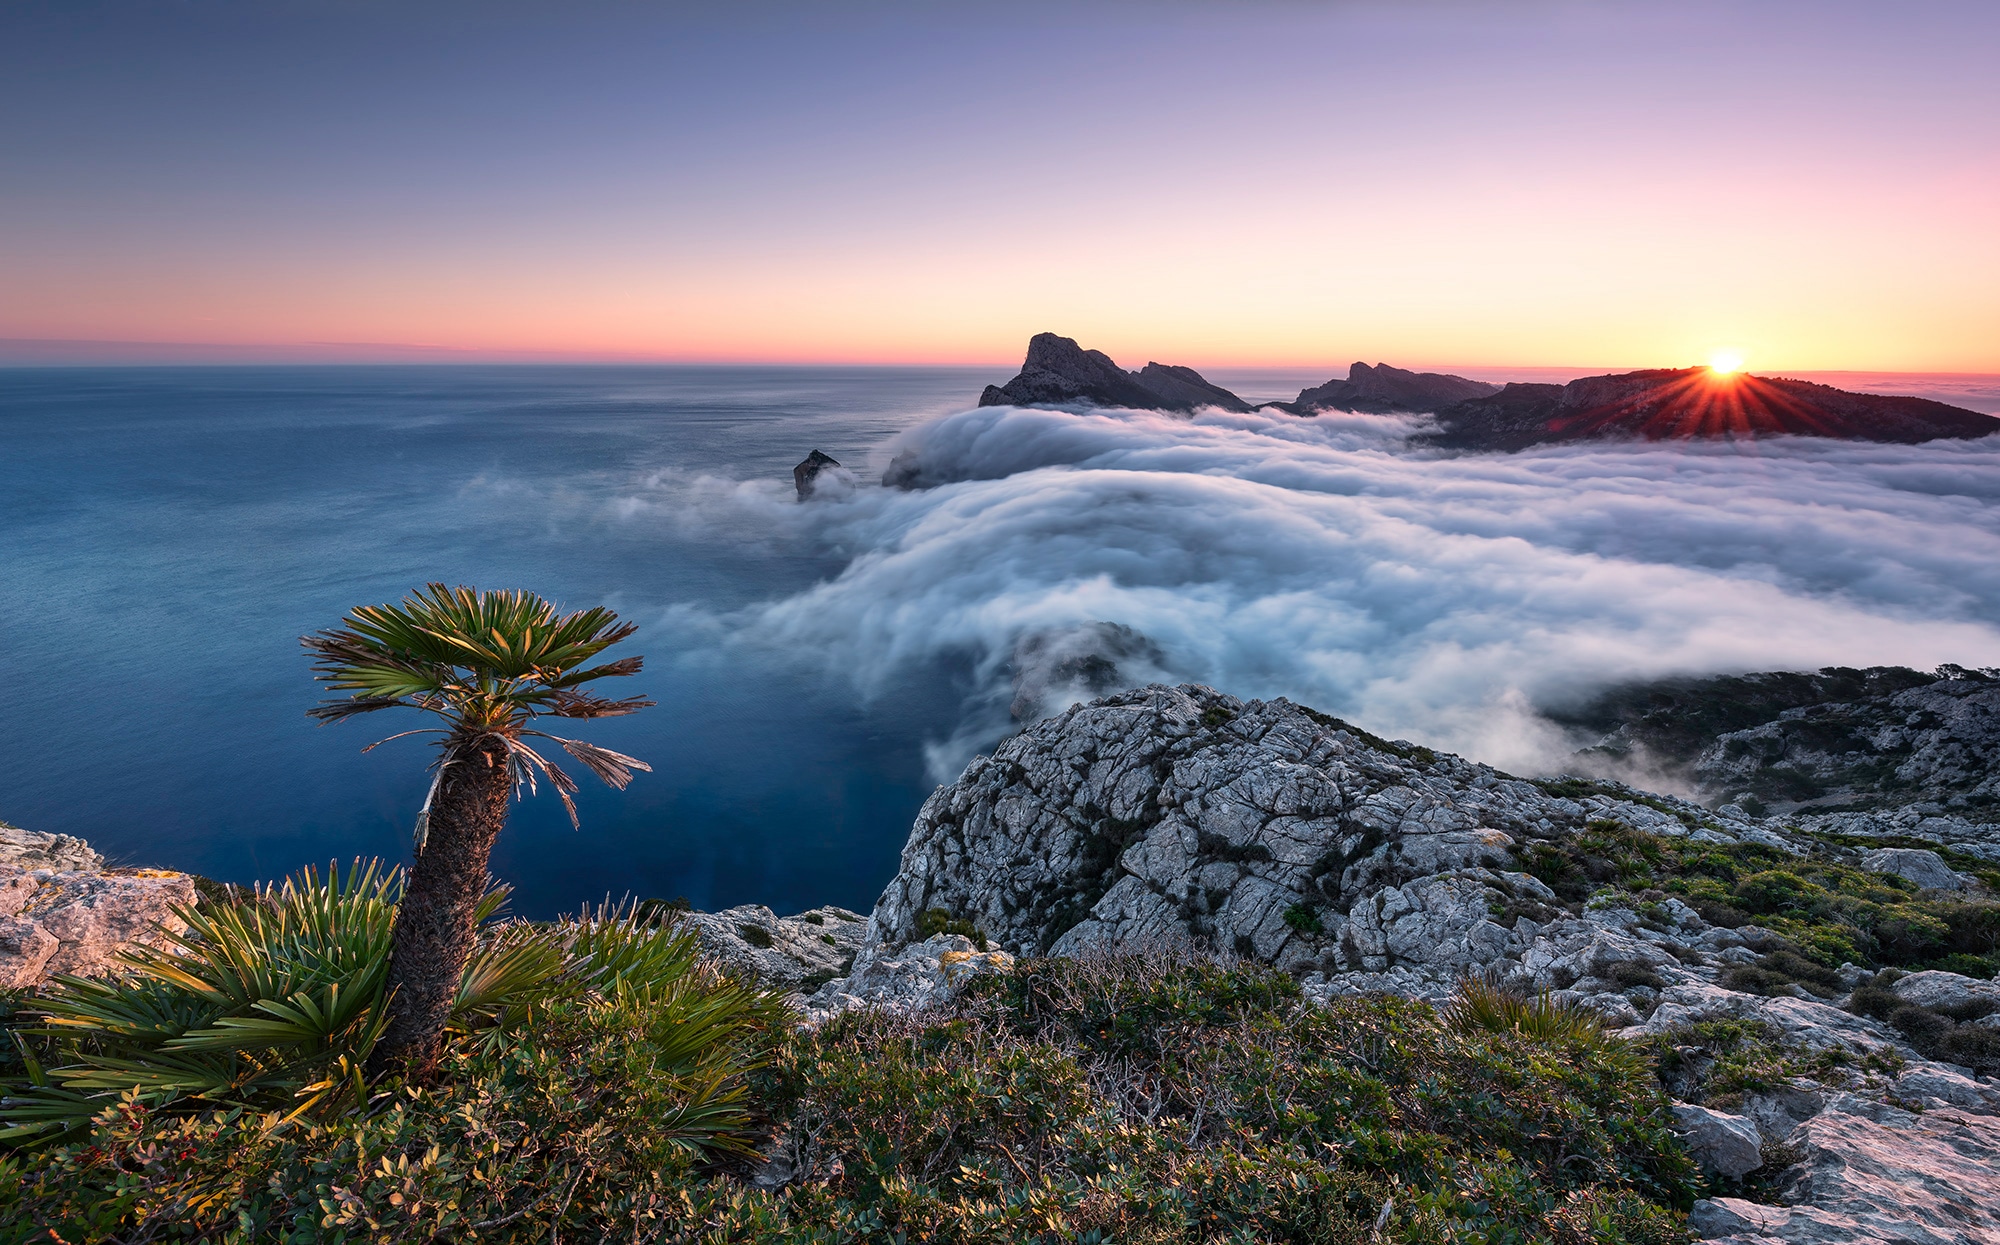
x,y
1911,745
1269,831
62,911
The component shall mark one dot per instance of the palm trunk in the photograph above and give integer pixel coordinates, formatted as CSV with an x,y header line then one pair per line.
x,y
435,926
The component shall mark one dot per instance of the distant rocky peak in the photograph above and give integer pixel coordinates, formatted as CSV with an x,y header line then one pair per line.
x,y
1059,372
1382,389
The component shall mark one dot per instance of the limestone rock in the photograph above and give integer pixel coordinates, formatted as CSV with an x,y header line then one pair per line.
x,y
1905,752
1268,830
91,917
1947,991
1900,1176
25,950
782,953
30,849
913,977
1725,1144
1927,869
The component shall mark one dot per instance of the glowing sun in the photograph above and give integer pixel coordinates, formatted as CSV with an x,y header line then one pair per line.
x,y
1723,362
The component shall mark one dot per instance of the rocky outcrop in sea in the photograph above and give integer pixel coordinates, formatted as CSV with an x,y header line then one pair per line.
x,y
1058,372
1266,830
1685,403
1383,390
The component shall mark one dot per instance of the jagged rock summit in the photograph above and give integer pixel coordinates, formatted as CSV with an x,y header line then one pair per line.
x,y
1689,403
1058,372
1266,829
1385,390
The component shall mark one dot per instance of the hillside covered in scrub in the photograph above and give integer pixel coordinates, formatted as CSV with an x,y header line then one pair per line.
x,y
1171,966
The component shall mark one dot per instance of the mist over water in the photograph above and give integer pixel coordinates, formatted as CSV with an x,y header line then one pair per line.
x,y
1427,596
170,534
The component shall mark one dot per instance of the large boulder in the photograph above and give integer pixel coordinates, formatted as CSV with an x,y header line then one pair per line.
x,y
1727,1145
914,977
1948,992
1926,868
1268,830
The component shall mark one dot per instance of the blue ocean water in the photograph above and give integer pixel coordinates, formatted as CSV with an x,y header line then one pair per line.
x,y
168,534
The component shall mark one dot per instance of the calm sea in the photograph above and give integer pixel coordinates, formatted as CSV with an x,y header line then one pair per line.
x,y
169,533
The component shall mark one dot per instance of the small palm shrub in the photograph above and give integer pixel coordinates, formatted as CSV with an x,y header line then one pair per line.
x,y
274,1005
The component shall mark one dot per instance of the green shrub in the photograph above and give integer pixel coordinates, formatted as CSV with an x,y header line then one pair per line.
x,y
591,1124
935,921
1141,1099
274,1005
1830,912
1304,919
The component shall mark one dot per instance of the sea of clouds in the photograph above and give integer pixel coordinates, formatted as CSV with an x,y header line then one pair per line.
x,y
1434,597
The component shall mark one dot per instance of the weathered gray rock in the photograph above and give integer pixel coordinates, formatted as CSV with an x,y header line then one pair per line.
x,y
1268,830
1725,1144
1926,868
31,849
1947,991
781,952
88,917
914,977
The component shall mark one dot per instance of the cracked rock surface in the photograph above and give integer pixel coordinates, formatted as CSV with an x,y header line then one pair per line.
x,y
1267,830
785,953
76,921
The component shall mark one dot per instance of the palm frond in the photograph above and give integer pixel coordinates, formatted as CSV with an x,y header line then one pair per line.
x,y
614,769
568,704
486,662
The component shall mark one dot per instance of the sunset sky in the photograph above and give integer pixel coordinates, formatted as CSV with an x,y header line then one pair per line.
x,y
1591,184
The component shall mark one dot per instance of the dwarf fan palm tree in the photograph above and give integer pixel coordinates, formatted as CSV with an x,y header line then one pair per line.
x,y
488,663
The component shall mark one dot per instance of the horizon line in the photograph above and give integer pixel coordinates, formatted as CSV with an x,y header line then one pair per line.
x,y
57,352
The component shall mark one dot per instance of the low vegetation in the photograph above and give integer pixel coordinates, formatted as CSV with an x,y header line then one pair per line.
x,y
1826,910
1145,1098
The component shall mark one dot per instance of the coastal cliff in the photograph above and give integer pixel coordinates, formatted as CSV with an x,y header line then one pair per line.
x,y
1694,403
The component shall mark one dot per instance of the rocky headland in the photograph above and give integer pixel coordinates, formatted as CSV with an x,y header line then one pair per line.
x,y
1694,403
1665,404
1058,372
63,911
1383,390
1917,749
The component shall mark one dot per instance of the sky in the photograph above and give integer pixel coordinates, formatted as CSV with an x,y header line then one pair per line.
x,y
1229,184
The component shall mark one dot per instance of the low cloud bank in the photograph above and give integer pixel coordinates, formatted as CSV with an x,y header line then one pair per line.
x,y
1424,596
